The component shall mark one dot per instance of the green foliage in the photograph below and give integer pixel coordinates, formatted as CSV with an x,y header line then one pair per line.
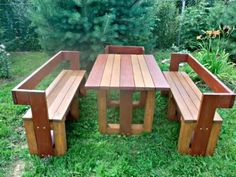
x,y
166,26
16,32
4,62
197,19
89,25
229,18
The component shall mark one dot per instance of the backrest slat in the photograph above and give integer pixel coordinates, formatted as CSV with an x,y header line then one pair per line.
x,y
116,49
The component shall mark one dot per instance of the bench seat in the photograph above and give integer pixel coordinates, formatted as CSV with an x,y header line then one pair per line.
x,y
60,93
187,95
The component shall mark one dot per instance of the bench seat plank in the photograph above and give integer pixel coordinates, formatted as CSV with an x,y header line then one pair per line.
x,y
60,93
186,95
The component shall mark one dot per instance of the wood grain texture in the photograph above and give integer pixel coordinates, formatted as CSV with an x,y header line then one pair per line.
x,y
41,123
204,125
126,73
115,78
149,111
156,73
185,136
30,136
116,49
102,110
187,95
136,129
145,72
59,132
125,112
138,77
107,74
215,132
96,74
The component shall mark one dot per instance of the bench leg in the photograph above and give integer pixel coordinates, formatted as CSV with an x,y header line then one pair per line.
x,y
59,132
82,89
149,111
30,136
74,108
102,110
126,111
172,109
185,136
215,132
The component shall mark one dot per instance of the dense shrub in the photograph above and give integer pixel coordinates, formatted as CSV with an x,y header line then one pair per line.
x,y
16,32
89,25
197,19
4,62
166,25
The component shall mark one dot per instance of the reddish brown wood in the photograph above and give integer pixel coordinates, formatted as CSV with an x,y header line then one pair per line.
x,y
125,112
126,73
96,74
41,123
157,76
73,57
211,80
204,125
176,59
115,49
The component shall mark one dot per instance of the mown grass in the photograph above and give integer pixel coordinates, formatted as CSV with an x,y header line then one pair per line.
x,y
92,154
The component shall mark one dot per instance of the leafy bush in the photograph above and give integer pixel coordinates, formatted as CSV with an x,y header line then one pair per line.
x,y
4,63
89,25
199,18
214,58
166,25
16,32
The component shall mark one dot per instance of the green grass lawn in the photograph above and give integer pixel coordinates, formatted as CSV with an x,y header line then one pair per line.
x,y
92,154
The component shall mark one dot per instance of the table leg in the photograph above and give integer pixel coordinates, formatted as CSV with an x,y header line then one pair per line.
x,y
126,109
149,111
102,110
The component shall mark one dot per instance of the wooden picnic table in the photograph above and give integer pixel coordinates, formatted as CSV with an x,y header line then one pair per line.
x,y
126,73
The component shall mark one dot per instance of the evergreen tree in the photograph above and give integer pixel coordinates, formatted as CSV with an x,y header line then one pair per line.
x,y
15,30
88,25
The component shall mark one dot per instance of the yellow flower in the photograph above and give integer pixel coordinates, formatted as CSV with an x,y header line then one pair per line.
x,y
199,37
209,33
216,33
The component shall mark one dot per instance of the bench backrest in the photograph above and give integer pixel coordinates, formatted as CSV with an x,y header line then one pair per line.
x,y
25,94
22,90
116,49
222,98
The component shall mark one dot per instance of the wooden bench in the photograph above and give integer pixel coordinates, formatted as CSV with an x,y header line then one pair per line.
x,y
136,50
200,123
45,122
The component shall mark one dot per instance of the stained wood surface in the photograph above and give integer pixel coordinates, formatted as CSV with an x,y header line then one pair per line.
x,y
187,95
115,49
125,112
126,71
60,93
34,79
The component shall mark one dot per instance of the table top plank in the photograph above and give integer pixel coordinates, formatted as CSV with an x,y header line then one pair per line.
x,y
106,78
138,78
126,73
156,73
96,74
115,78
145,72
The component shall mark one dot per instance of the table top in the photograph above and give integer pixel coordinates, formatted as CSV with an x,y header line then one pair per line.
x,y
127,72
